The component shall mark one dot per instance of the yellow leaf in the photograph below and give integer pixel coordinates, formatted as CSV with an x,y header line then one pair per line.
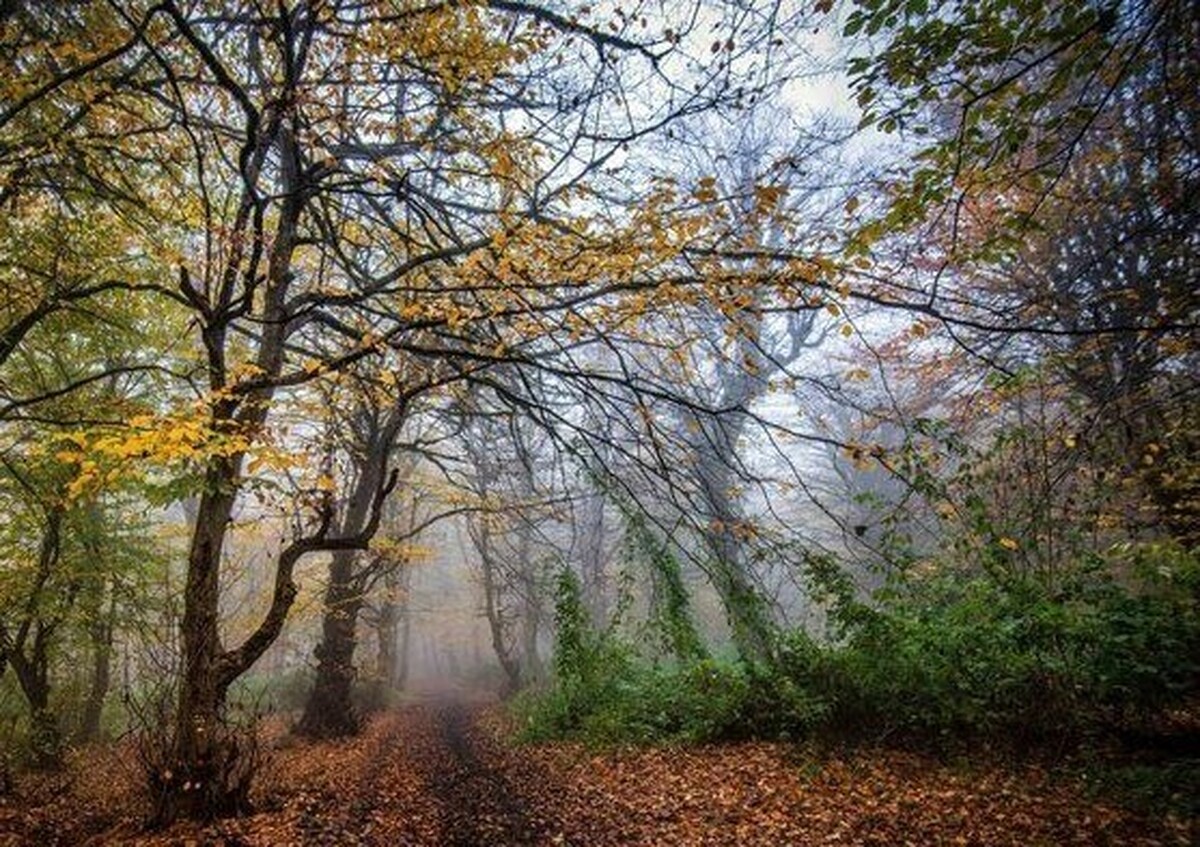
x,y
706,189
1008,543
767,196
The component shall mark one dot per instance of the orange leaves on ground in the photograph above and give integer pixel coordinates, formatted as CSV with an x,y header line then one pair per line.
x,y
446,773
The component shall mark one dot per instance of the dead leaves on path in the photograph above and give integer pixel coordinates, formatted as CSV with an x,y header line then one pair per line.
x,y
423,776
758,794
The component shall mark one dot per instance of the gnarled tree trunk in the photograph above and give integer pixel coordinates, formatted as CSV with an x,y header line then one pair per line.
x,y
329,711
192,783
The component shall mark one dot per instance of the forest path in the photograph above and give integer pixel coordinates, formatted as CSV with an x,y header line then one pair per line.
x,y
425,774
443,771
470,780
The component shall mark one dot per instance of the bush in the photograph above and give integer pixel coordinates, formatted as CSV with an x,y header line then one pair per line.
x,y
602,691
940,658
966,665
977,659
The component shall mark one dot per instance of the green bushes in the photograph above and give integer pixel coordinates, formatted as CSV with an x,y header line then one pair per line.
x,y
964,666
978,659
604,692
638,701
933,659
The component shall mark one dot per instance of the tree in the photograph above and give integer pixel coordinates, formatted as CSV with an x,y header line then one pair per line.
x,y
1055,202
366,435
329,180
62,562
731,349
71,545
388,611
505,459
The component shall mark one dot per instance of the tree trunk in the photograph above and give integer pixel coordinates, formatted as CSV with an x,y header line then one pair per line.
x,y
32,668
508,663
591,560
192,781
493,611
531,659
531,612
385,633
745,609
395,627
404,650
329,711
102,639
45,739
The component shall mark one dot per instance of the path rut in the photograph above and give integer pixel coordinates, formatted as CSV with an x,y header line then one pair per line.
x,y
478,802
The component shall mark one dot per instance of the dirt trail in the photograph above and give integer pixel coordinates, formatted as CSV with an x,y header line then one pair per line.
x,y
440,773
425,775
478,804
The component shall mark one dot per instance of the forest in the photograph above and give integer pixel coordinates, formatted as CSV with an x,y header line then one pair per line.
x,y
513,422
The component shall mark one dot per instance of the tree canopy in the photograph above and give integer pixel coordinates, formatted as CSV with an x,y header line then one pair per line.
x,y
594,286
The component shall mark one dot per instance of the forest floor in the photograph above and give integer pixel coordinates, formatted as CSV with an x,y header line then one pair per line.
x,y
444,772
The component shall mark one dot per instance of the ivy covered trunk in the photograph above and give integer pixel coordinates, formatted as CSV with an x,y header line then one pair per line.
x,y
746,611
592,558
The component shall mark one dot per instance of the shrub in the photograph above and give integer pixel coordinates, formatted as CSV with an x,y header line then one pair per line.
x,y
933,659
975,658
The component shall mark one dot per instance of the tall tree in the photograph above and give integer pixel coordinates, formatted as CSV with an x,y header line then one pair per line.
x,y
365,427
329,179
505,458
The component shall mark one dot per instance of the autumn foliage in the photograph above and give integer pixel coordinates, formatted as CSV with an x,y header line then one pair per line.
x,y
802,393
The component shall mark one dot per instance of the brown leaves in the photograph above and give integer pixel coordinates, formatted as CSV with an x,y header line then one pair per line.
x,y
447,774
758,793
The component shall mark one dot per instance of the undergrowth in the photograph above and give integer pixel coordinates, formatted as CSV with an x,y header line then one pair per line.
x,y
938,661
